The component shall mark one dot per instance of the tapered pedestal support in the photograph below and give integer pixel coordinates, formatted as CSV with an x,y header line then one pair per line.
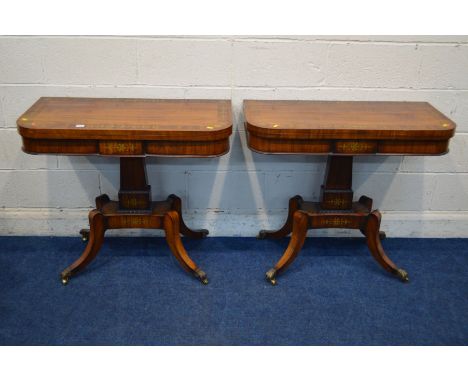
x,y
134,209
335,209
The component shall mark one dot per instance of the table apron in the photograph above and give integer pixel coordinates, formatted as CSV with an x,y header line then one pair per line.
x,y
347,147
125,147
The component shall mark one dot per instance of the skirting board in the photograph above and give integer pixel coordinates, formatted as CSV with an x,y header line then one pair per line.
x,y
68,222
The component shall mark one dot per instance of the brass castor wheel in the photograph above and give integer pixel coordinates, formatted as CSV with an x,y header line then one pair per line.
x,y
382,235
204,233
271,276
84,234
64,279
262,234
201,276
402,275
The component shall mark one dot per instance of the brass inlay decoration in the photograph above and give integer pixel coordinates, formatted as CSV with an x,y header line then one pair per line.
x,y
355,146
136,220
123,147
131,202
129,146
133,221
338,203
336,222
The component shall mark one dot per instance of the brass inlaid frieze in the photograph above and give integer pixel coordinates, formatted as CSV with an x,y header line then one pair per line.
x,y
136,220
353,147
120,147
336,222
133,202
337,203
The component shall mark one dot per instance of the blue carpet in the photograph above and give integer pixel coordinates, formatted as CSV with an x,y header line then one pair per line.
x,y
136,294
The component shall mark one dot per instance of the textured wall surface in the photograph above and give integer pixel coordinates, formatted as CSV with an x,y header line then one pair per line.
x,y
242,192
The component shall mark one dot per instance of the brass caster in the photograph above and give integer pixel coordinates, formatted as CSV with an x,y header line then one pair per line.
x,y
382,235
84,234
262,234
271,276
201,276
65,279
402,275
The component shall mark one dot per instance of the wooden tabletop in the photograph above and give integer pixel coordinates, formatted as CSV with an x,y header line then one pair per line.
x,y
278,126
343,119
126,126
126,118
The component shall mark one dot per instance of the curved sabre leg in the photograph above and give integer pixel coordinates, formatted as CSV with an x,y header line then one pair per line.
x,y
294,204
184,230
299,232
97,228
171,226
375,247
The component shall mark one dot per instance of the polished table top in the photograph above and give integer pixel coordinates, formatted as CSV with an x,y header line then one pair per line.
x,y
123,126
346,127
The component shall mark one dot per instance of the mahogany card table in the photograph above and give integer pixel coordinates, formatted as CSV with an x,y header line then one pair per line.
x,y
130,129
341,130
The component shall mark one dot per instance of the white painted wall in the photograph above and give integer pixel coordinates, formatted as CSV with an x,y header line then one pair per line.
x,y
242,192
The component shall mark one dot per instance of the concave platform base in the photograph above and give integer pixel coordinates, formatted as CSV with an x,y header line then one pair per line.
x,y
335,210
136,210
